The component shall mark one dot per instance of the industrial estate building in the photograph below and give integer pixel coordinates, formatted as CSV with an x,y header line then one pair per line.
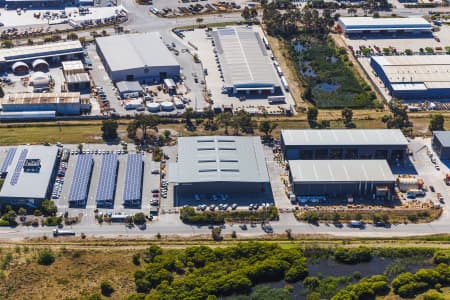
x,y
348,178
219,165
52,52
36,4
147,58
306,144
441,144
28,174
60,103
416,76
244,62
369,25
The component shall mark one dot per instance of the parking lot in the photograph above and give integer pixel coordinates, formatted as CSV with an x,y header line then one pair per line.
x,y
150,181
187,7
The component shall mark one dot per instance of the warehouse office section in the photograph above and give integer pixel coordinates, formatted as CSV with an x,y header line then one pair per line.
x,y
307,144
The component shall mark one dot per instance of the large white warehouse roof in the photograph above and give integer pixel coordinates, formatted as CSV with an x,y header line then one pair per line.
x,y
243,57
133,51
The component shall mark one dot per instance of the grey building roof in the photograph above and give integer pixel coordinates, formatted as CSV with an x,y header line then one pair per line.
x,y
40,51
219,159
443,137
415,72
131,51
343,137
129,86
243,57
385,23
30,185
316,171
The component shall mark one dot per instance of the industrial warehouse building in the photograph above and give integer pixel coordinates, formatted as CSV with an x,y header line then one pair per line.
x,y
60,103
341,178
27,56
414,77
441,144
244,61
398,26
220,165
147,59
306,144
28,174
36,4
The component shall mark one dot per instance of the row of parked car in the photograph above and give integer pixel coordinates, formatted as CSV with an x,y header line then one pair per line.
x,y
57,187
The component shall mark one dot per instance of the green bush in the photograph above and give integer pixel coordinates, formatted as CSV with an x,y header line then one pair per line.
x,y
353,255
189,216
442,257
432,295
46,257
106,288
53,221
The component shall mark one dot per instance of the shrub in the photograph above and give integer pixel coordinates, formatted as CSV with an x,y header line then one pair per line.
x,y
311,217
46,257
433,295
107,288
296,272
442,257
353,255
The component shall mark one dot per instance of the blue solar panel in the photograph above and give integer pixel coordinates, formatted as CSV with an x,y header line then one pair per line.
x,y
80,184
8,159
19,166
107,182
133,179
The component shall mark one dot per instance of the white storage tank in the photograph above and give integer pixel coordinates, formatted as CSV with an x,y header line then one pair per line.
x,y
167,106
153,107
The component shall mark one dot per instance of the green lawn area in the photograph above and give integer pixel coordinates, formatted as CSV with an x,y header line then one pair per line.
x,y
51,134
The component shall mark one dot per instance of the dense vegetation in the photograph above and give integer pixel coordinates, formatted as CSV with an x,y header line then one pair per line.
x,y
330,66
190,216
200,272
212,273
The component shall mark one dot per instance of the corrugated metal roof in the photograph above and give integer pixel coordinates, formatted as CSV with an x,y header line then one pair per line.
x,y
387,22
443,137
39,51
131,51
340,171
432,71
343,137
219,159
243,57
129,86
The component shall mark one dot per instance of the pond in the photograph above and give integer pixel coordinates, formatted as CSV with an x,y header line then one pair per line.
x,y
340,275
327,87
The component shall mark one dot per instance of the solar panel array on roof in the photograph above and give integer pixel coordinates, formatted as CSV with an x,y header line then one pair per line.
x,y
8,159
80,184
19,166
133,179
107,182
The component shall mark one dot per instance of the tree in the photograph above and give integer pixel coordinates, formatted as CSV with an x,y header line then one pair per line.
x,y
22,211
188,114
2,93
49,208
267,127
243,121
151,252
199,21
7,44
253,13
437,122
347,116
246,13
225,119
312,115
144,123
216,234
106,288
72,36
109,129
139,218
46,257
